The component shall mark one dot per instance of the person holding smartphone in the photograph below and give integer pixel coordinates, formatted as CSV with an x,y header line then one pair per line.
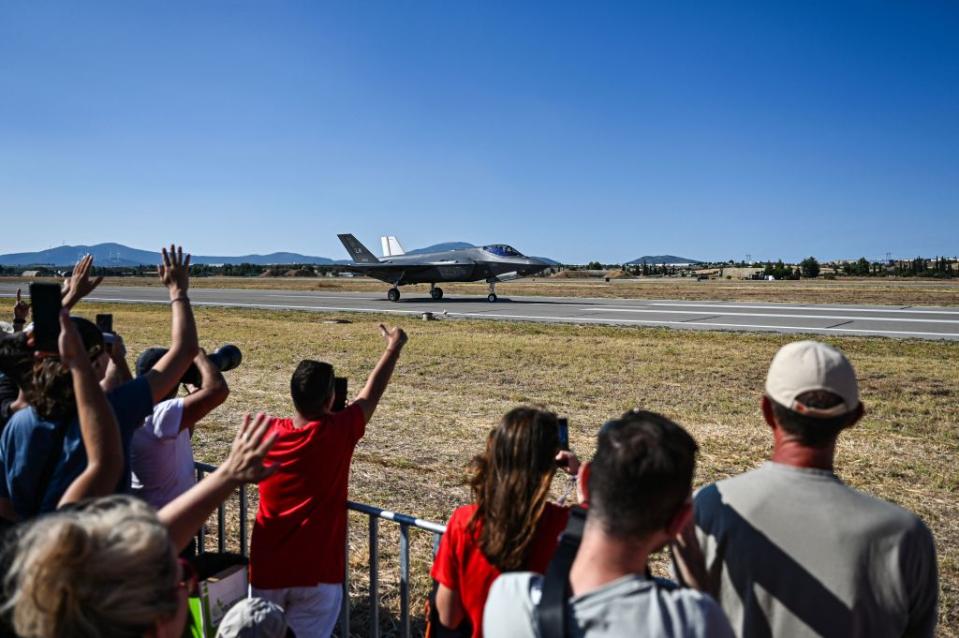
x,y
511,525
296,557
41,448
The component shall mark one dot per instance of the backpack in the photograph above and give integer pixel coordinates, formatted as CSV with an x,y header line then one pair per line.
x,y
551,616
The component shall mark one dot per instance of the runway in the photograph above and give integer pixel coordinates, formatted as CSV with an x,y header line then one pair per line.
x,y
885,321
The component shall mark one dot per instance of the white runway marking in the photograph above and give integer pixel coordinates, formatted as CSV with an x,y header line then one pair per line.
x,y
772,315
326,297
706,304
655,322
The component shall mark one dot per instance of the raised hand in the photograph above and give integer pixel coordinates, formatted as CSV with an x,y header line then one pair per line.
x,y
118,351
21,309
175,271
70,345
568,462
395,337
689,560
245,463
78,285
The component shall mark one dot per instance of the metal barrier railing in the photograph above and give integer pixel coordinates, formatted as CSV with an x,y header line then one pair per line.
x,y
202,469
374,514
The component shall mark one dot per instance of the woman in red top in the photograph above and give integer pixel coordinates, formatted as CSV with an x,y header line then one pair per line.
x,y
510,526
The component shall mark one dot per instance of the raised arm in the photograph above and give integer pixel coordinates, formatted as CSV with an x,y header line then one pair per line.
x,y
118,370
369,397
212,392
21,310
78,285
184,515
98,425
175,275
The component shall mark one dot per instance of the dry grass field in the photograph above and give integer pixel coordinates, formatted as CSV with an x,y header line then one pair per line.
x,y
892,292
456,378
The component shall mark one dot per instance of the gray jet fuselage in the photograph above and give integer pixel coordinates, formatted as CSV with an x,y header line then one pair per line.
x,y
492,264
467,264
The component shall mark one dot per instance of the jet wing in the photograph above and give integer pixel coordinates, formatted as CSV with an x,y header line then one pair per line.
x,y
390,273
383,267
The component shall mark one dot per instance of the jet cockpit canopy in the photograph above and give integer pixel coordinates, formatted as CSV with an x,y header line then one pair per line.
x,y
502,250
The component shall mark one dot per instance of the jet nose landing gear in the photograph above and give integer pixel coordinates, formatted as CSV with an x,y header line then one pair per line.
x,y
393,294
436,292
492,293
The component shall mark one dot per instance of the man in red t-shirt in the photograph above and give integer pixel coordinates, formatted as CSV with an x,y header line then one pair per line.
x,y
297,554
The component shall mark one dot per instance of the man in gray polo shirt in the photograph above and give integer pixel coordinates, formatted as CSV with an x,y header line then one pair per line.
x,y
789,549
640,484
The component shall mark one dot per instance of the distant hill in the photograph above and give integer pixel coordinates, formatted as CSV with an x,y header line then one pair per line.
x,y
458,245
119,255
438,248
653,260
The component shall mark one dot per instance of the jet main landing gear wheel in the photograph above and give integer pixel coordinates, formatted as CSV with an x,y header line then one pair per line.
x,y
393,294
436,293
492,297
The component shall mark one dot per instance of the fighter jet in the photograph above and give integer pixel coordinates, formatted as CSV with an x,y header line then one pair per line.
x,y
493,263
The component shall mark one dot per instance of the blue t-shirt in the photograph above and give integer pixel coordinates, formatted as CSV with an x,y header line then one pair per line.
x,y
28,442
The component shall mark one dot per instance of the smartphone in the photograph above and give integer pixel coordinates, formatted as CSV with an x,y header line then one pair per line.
x,y
562,424
339,393
45,301
105,323
105,326
562,430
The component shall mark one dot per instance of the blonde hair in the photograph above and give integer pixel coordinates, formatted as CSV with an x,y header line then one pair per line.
x,y
103,568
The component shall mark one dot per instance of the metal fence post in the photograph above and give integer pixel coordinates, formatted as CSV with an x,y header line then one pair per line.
x,y
345,605
201,534
404,580
374,577
244,549
221,529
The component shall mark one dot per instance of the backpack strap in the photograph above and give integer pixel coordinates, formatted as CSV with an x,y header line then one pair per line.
x,y
551,611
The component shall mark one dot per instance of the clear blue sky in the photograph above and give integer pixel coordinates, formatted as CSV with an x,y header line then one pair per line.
x,y
577,131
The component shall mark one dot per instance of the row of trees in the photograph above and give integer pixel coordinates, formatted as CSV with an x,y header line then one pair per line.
x,y
809,268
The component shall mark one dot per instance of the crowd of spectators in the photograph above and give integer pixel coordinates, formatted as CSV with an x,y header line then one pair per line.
x,y
99,506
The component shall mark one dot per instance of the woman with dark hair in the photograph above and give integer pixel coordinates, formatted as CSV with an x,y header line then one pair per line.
x,y
511,525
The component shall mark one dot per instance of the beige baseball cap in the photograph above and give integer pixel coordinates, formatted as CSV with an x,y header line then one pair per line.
x,y
803,366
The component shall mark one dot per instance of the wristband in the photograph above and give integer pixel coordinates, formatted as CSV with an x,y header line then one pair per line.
x,y
180,298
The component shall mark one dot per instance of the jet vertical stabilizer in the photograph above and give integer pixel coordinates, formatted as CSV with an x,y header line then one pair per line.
x,y
358,252
391,246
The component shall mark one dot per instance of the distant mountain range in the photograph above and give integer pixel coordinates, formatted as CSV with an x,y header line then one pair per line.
x,y
438,248
118,255
459,245
653,260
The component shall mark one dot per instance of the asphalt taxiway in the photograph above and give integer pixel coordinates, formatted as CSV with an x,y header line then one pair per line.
x,y
884,321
